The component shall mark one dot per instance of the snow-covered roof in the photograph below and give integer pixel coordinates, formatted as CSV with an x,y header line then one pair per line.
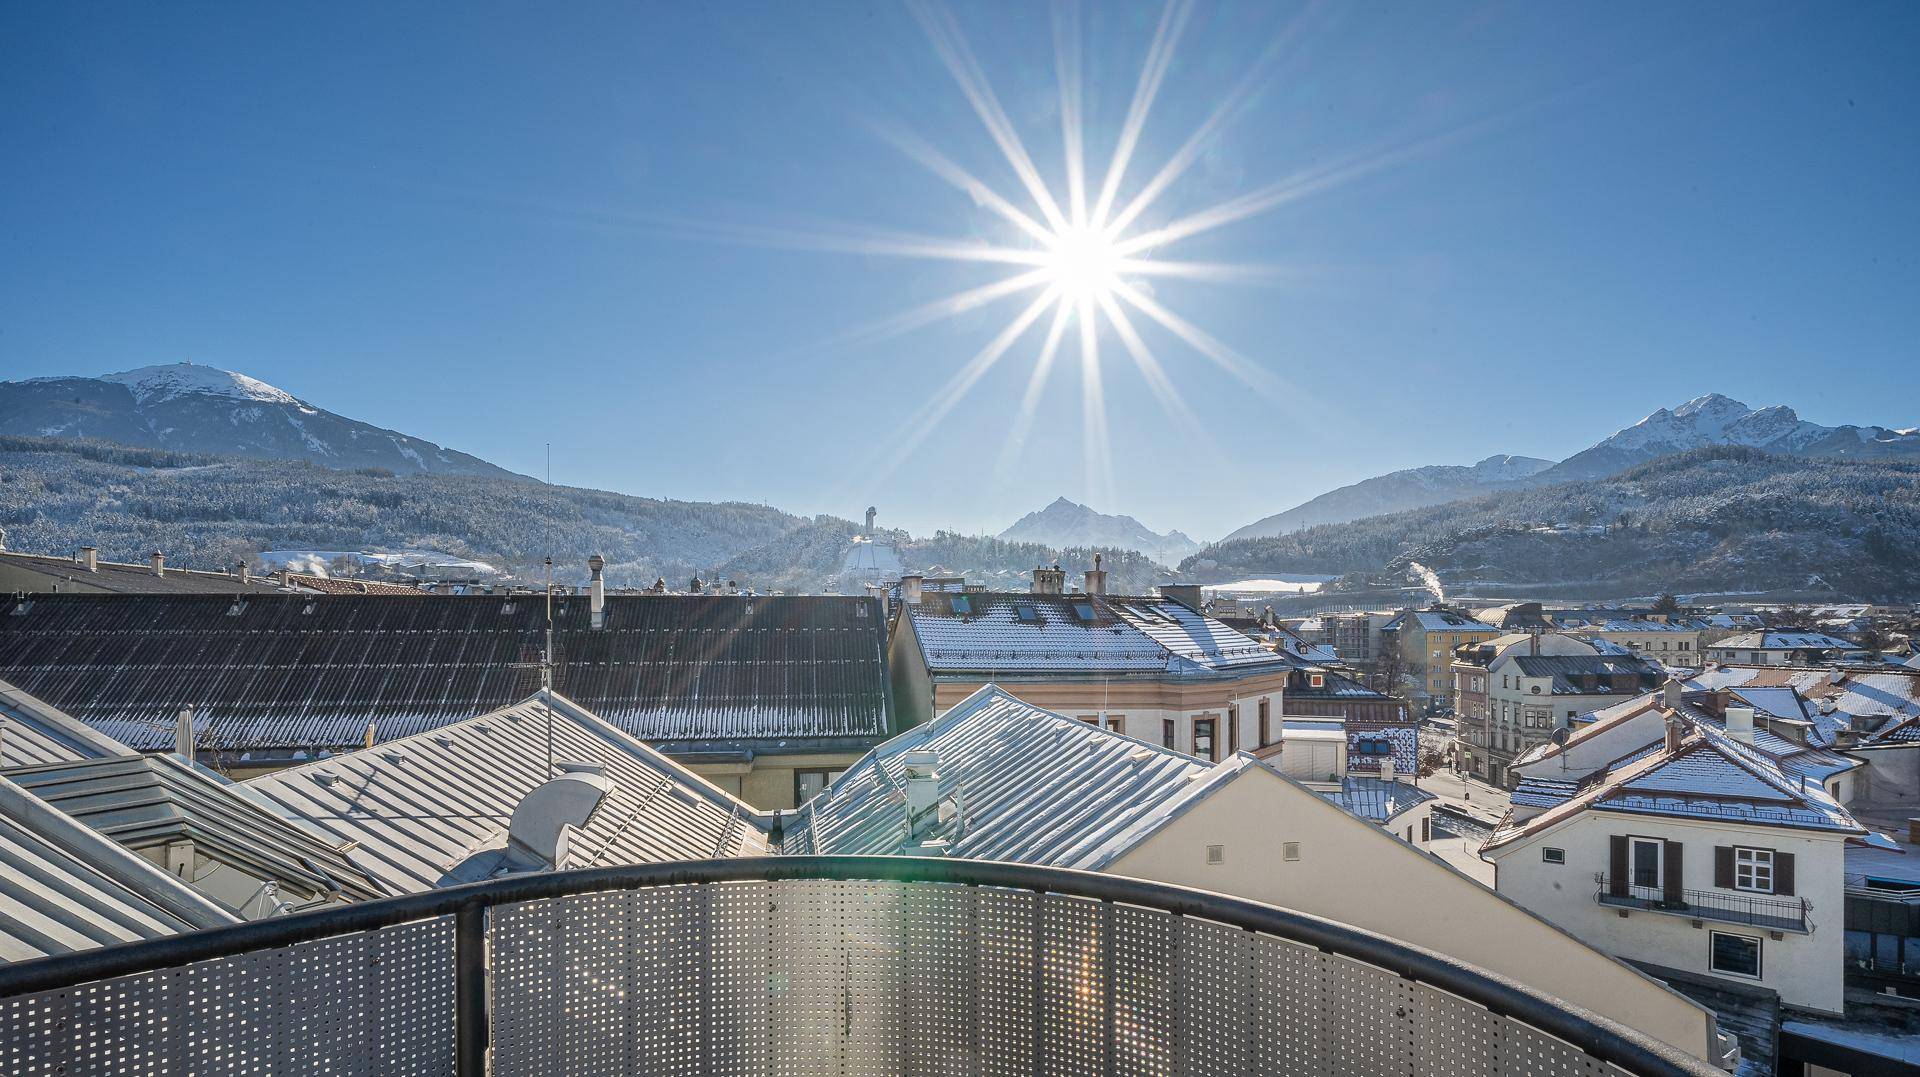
x,y
1377,801
33,732
1637,625
1441,621
1613,673
432,809
1861,699
1011,633
1783,641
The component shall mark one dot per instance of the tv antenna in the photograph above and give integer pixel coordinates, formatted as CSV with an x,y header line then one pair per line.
x,y
1560,738
546,657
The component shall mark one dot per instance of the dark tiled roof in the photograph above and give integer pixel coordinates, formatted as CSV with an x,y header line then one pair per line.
x,y
1565,669
119,578
286,672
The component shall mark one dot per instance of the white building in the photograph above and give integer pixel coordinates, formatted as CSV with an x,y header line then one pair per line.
x,y
1694,851
1778,648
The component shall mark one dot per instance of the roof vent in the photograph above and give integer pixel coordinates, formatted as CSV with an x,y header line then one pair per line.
x,y
536,832
325,777
1836,676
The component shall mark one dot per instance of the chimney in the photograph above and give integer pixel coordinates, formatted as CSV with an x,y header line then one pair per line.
x,y
1096,578
90,558
183,734
1387,770
1533,643
923,791
1674,733
370,731
598,602
159,563
910,585
1670,694
286,578
241,570
1187,594
1049,581
1740,724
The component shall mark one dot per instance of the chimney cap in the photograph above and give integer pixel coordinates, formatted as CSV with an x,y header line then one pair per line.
x,y
595,562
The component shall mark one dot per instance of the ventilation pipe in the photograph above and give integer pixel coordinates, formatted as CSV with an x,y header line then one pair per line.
x,y
183,734
910,586
597,602
536,834
159,563
1740,724
923,791
90,558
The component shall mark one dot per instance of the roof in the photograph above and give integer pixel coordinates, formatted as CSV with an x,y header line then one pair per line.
x,y
1635,624
432,809
145,802
1862,699
32,732
65,888
339,585
1710,776
1377,801
1441,621
284,672
1564,668
1014,633
119,578
1783,641
1026,785
1402,741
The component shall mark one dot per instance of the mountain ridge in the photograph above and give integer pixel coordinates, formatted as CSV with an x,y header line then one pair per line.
x,y
188,407
1068,524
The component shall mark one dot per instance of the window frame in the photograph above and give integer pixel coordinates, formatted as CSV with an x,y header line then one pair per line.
x,y
1759,955
826,775
1551,855
1212,737
1757,862
1634,842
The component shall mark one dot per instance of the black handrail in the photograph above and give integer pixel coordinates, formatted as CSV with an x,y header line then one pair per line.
x,y
1594,1033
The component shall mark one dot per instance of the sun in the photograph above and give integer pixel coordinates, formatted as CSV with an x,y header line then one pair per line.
x,y
1083,264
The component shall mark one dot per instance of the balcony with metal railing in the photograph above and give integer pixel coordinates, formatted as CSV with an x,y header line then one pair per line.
x,y
1724,906
796,965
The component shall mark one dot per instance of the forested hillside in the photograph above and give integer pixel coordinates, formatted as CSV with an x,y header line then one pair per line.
x,y
1719,519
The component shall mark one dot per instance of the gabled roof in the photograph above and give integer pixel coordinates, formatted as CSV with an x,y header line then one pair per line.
x,y
281,673
432,809
1648,710
1377,801
1016,633
1439,621
1862,699
132,579
32,732
147,802
65,888
1025,785
1709,777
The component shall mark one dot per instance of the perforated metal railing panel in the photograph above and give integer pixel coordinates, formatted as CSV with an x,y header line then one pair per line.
x,y
787,979
375,1003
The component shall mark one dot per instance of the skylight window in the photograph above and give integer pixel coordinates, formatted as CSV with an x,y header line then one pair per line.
x,y
1083,610
1026,613
962,604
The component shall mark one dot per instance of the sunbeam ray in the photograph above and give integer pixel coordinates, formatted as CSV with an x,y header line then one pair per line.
x,y
1155,375
923,153
1066,62
1173,19
940,309
1249,373
1036,385
944,33
1223,272
1093,409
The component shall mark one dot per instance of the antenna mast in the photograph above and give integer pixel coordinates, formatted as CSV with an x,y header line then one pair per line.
x,y
546,658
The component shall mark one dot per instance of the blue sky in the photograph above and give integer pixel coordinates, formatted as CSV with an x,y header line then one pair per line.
x,y
495,227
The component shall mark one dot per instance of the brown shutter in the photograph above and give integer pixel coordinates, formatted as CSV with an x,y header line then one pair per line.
x,y
1723,866
1672,876
1617,865
1783,873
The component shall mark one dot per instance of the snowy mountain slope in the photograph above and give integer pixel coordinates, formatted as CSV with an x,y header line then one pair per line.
x,y
1396,492
1067,524
194,408
1719,420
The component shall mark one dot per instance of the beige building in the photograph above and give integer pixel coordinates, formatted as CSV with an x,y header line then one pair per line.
x,y
995,778
1677,643
1427,640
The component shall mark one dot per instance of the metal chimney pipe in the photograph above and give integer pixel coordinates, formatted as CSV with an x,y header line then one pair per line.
x,y
183,734
597,603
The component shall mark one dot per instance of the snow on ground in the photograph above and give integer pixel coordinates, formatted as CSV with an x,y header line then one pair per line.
x,y
1289,584
316,561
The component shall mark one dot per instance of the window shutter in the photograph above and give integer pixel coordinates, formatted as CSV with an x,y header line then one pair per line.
x,y
1617,865
1675,888
1723,866
1783,873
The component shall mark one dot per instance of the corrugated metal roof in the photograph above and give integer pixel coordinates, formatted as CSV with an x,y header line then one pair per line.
x,y
1010,633
432,809
64,887
146,802
1377,801
31,732
1025,785
288,672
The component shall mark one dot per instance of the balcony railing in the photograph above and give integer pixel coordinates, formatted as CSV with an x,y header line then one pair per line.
x,y
1725,906
796,965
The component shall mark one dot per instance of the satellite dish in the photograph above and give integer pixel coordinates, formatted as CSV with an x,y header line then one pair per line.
x,y
1561,736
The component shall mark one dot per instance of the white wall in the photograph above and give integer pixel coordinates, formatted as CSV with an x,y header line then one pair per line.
x,y
1805,969
1354,872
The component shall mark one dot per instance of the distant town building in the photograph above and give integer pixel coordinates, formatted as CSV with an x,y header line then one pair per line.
x,y
1677,642
85,573
1427,639
1530,692
1779,647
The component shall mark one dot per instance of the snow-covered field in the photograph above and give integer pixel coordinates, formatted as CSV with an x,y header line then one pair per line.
x,y
1284,584
316,561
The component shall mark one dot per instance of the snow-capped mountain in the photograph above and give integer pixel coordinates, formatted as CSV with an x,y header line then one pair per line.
x,y
1398,491
1719,420
196,408
1066,523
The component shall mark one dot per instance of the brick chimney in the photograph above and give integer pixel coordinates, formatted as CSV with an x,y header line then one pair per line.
x,y
1187,594
159,563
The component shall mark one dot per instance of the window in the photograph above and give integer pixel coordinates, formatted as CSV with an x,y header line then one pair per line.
x,y
1090,719
1316,680
962,605
1735,955
1026,614
1168,736
1266,729
1117,723
808,783
1426,830
1553,856
1083,610
1203,737
1289,850
1535,689
1216,854
1753,870
1233,728
1645,865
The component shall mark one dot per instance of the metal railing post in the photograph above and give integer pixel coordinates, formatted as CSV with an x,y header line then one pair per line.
x,y
470,1018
